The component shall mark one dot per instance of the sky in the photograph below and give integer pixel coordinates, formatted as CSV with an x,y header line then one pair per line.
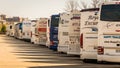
x,y
32,8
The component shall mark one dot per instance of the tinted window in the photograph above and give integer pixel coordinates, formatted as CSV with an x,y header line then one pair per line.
x,y
110,13
10,27
20,26
55,20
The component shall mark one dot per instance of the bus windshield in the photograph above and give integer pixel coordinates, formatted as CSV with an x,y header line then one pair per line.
x,y
110,12
55,21
20,26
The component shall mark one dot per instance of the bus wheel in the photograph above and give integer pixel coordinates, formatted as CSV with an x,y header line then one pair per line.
x,y
85,61
32,42
101,62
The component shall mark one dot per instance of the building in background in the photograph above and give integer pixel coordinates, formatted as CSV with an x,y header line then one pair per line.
x,y
2,23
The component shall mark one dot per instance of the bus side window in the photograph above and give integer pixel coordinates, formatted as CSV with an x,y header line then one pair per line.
x,y
10,27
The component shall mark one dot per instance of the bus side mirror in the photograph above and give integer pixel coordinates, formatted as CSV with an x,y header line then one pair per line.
x,y
96,13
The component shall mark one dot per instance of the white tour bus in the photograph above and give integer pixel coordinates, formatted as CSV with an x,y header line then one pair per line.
x,y
42,32
109,32
74,33
63,32
26,31
18,31
89,34
42,28
48,34
33,25
10,29
36,41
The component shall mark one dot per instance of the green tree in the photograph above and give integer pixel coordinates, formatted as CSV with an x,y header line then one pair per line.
x,y
3,29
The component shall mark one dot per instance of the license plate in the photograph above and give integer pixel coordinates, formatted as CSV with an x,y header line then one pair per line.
x,y
117,51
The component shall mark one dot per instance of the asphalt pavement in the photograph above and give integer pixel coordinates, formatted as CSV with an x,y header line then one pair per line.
x,y
16,53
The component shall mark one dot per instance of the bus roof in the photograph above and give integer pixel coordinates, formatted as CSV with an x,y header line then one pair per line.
x,y
55,15
91,9
111,2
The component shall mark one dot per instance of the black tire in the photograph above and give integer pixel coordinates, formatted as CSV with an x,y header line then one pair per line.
x,y
90,61
85,61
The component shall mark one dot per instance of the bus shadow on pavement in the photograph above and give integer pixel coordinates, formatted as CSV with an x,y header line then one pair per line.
x,y
31,53
76,66
41,54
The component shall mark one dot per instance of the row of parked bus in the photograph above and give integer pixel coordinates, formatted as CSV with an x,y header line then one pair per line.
x,y
94,34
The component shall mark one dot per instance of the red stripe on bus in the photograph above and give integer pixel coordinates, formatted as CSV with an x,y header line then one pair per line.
x,y
42,29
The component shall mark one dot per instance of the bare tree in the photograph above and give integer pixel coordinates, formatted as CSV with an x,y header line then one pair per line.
x,y
107,0
96,3
71,5
83,5
114,0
